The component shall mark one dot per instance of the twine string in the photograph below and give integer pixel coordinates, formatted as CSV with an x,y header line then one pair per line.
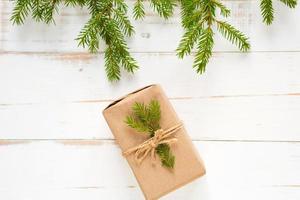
x,y
161,136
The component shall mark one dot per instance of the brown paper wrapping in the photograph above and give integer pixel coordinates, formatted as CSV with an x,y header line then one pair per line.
x,y
154,180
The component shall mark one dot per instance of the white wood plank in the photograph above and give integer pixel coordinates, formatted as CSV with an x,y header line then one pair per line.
x,y
266,118
43,78
96,170
61,96
153,34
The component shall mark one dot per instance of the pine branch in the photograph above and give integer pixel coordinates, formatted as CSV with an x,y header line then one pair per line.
x,y
89,35
74,3
189,15
290,3
233,35
166,156
204,50
136,124
188,40
198,19
225,12
48,11
267,11
138,10
146,118
20,11
123,22
112,67
163,7
109,22
37,10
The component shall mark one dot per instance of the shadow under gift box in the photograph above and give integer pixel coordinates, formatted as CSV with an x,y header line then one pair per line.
x,y
154,180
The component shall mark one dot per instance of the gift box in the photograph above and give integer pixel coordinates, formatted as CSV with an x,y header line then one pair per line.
x,y
154,178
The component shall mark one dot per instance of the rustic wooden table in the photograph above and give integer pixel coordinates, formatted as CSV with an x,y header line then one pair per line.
x,y
243,113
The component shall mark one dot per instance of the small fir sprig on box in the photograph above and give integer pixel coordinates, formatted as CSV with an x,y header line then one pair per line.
x,y
109,22
145,119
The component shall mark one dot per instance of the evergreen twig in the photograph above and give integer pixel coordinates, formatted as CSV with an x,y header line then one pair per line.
x,y
267,11
198,30
109,22
146,119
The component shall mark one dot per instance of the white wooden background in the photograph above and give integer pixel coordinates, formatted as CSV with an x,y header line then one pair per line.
x,y
243,113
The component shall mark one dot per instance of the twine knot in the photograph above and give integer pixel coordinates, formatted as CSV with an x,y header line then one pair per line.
x,y
161,136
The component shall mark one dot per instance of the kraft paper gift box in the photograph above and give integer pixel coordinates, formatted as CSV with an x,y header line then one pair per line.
x,y
155,180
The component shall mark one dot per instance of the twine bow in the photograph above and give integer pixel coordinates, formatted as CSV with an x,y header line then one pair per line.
x,y
160,137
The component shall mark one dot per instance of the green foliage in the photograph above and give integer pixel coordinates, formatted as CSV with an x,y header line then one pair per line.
x,y
109,22
145,119
204,50
198,19
233,35
290,3
163,7
138,10
21,11
267,11
166,156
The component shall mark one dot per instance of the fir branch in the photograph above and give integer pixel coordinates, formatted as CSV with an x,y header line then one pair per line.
x,y
166,156
37,9
89,35
123,22
198,20
225,12
138,10
109,22
204,50
93,7
112,67
267,11
74,3
136,124
188,14
145,118
48,11
188,41
233,35
290,3
164,8
20,11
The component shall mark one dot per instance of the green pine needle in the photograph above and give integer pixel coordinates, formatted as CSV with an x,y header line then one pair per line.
x,y
138,10
204,50
166,156
136,124
198,19
267,11
290,3
225,12
145,119
233,35
20,11
188,41
109,22
164,8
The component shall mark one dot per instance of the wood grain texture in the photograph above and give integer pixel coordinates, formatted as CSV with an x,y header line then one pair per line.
x,y
247,170
243,113
230,102
153,34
